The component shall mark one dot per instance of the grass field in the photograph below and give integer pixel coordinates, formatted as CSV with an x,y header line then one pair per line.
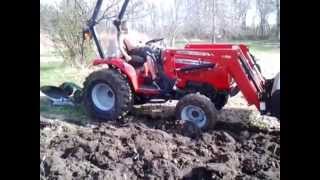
x,y
55,73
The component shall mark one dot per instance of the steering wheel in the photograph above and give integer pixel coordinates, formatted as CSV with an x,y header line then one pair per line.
x,y
154,41
156,49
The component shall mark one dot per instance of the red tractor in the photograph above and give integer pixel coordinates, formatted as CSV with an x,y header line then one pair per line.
x,y
201,76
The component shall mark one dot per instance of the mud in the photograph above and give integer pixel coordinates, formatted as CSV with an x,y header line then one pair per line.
x,y
142,147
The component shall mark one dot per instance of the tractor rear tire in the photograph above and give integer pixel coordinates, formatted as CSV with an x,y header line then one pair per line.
x,y
198,109
107,95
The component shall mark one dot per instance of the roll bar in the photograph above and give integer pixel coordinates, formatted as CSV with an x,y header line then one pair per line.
x,y
92,22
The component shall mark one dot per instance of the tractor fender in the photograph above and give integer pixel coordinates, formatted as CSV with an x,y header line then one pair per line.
x,y
124,67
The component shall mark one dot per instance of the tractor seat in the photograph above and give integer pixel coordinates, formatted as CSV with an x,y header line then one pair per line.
x,y
137,61
138,64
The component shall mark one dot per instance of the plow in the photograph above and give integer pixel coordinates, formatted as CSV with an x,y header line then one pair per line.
x,y
200,76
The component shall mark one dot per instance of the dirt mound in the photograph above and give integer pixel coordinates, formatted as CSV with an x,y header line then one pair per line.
x,y
147,148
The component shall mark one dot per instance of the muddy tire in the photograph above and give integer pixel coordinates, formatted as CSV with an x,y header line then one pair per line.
x,y
198,109
107,95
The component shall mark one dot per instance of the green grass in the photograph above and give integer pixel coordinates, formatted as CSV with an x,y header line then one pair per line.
x,y
55,73
261,45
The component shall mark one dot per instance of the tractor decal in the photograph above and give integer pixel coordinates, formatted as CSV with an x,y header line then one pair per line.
x,y
191,61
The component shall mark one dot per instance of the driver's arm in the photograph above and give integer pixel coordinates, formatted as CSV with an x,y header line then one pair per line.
x,y
122,50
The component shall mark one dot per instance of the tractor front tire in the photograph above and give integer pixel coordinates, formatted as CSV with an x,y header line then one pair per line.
x,y
107,95
198,109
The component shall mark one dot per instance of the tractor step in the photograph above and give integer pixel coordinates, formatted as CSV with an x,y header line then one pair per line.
x,y
156,101
151,85
152,89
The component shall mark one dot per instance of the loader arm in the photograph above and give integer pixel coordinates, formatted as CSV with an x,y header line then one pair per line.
x,y
256,89
238,62
239,69
93,21
243,76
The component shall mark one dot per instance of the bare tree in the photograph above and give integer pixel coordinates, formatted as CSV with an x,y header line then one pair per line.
x,y
242,7
192,26
214,20
264,7
213,39
64,23
153,19
176,20
278,18
66,31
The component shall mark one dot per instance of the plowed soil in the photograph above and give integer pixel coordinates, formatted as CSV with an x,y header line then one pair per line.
x,y
153,147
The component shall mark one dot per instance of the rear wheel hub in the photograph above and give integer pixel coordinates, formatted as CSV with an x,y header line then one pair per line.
x,y
103,97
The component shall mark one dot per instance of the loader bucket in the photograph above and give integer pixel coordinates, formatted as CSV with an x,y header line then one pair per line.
x,y
273,104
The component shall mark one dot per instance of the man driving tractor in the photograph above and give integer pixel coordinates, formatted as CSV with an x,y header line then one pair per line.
x,y
135,52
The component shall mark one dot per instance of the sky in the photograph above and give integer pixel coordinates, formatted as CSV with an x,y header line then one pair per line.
x,y
250,17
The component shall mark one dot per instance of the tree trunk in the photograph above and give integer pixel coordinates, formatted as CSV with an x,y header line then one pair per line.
x,y
243,23
278,19
213,38
264,26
